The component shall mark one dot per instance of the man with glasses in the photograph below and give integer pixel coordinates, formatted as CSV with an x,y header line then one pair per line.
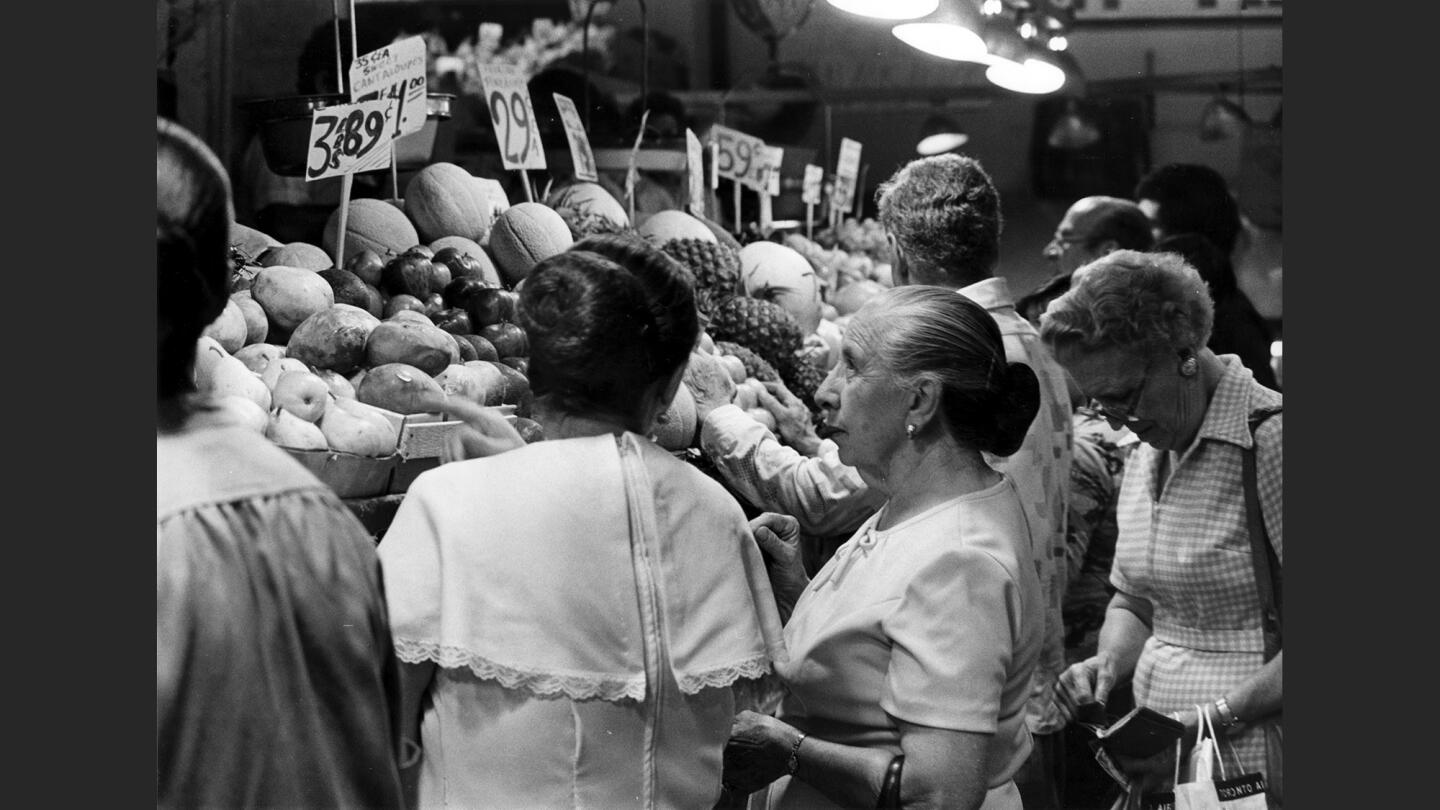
x,y
1094,226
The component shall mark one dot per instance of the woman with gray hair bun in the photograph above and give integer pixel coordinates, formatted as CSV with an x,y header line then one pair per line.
x,y
912,649
1189,620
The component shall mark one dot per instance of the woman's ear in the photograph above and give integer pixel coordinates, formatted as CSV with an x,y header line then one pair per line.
x,y
924,404
900,269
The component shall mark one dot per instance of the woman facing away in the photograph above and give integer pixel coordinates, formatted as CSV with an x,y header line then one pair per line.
x,y
1186,623
572,615
912,649
276,685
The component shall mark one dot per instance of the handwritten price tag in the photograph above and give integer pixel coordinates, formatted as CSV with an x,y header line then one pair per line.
x,y
396,73
847,170
508,99
740,157
349,138
810,190
580,153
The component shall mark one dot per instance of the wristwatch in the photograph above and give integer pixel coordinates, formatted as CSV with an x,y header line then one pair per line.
x,y
794,761
1226,715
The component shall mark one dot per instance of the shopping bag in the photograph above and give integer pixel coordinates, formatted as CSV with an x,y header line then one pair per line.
x,y
1203,791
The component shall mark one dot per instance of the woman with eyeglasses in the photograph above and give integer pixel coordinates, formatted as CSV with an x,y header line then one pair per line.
x,y
1187,621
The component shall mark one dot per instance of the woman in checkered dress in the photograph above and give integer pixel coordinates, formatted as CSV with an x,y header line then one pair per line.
x,y
1186,622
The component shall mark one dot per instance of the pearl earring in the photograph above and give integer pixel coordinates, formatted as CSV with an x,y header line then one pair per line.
x,y
1189,366
910,432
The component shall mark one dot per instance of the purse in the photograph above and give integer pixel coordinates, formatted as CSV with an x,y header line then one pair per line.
x,y
1204,791
1269,581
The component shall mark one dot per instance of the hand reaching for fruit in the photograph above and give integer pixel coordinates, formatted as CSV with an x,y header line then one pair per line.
x,y
709,382
792,419
485,432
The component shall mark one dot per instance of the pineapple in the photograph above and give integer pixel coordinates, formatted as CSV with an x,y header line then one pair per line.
x,y
762,326
716,269
755,365
803,377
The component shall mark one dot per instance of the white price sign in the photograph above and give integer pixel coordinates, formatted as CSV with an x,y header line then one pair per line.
x,y
810,190
395,73
775,155
695,171
740,157
508,99
580,153
847,169
348,138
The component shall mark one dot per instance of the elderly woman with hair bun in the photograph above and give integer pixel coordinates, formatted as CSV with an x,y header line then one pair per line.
x,y
912,649
1188,621
577,616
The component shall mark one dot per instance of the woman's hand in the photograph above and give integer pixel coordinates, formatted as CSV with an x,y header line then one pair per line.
x,y
1088,681
758,751
485,432
709,382
792,419
779,539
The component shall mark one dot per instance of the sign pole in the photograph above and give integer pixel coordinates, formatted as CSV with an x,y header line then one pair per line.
x,y
525,184
736,188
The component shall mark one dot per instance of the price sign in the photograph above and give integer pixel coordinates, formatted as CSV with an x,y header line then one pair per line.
x,y
395,72
740,157
774,156
349,138
847,169
495,193
508,99
810,191
695,170
580,153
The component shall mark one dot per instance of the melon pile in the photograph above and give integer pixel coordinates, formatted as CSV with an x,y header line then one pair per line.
x,y
425,306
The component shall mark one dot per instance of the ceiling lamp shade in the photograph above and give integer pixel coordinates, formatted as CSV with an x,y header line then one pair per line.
x,y
1221,119
940,134
946,40
1074,130
1018,64
887,9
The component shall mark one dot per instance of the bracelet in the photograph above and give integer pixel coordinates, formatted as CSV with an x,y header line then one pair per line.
x,y
794,761
889,798
1227,716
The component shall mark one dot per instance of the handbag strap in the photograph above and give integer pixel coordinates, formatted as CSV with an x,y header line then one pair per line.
x,y
1262,553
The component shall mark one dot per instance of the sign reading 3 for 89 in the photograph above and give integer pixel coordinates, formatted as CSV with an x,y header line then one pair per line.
x,y
349,138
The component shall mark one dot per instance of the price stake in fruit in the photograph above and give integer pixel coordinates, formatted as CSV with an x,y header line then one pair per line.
x,y
580,153
810,195
740,157
348,138
847,169
695,172
774,156
395,72
508,99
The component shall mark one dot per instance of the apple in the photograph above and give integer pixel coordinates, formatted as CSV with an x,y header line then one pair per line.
x,y
366,264
407,274
423,251
440,276
302,393
735,366
520,364
490,305
508,338
258,356
467,349
453,320
288,430
434,302
272,372
457,293
463,265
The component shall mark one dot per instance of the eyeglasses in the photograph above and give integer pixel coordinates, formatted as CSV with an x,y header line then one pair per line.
x,y
1124,414
1064,241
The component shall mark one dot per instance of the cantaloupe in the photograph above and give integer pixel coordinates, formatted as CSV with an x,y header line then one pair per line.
x,y
781,274
663,226
297,254
523,236
442,200
588,209
675,428
371,225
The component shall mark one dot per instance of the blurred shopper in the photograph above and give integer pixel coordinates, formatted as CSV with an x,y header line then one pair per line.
x,y
276,685
913,648
1187,621
572,614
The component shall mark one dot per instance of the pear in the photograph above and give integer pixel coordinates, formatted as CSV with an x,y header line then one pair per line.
x,y
272,372
238,410
351,426
207,351
301,393
340,386
229,327
288,430
257,356
230,376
